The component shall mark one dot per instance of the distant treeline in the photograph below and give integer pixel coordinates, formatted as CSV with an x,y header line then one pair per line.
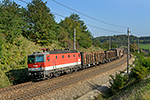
x,y
121,40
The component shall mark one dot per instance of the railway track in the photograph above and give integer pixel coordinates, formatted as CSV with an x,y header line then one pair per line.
x,y
32,89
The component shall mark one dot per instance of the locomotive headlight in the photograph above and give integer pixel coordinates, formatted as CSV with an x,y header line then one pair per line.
x,y
29,74
29,69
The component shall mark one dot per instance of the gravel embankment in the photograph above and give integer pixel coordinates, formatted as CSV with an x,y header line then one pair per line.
x,y
78,89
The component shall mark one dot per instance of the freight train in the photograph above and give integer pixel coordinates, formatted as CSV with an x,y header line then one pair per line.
x,y
48,64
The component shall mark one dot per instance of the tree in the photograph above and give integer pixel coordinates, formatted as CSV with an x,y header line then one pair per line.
x,y
149,53
12,22
69,25
133,47
106,45
41,22
96,42
83,36
85,41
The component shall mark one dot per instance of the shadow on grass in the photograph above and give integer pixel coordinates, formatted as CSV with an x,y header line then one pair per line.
x,y
18,76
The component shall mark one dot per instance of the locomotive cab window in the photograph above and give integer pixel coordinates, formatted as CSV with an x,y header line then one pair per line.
x,y
62,56
73,55
56,57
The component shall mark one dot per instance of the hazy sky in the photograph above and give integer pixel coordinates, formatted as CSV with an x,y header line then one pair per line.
x,y
134,14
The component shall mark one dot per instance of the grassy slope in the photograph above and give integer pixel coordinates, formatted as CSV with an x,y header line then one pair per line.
x,y
137,91
13,66
14,59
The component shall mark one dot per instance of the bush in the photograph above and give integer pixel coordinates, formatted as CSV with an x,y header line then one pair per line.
x,y
118,82
146,63
138,72
142,67
149,53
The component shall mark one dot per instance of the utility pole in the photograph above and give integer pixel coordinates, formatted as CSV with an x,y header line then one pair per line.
x,y
109,42
138,46
74,47
128,52
134,47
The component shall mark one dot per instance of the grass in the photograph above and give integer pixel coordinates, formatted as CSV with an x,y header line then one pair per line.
x,y
134,91
144,46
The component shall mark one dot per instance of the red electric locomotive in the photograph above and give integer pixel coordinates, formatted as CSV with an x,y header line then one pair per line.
x,y
53,63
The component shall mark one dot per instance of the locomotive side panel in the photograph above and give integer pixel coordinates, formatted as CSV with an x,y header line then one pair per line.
x,y
62,61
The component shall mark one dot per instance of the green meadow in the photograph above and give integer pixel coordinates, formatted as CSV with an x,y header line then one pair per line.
x,y
144,46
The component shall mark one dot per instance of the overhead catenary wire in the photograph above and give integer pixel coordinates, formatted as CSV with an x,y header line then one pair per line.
x,y
89,16
23,1
72,19
93,25
86,24
64,17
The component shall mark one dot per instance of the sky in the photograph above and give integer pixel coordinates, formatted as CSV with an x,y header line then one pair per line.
x,y
134,14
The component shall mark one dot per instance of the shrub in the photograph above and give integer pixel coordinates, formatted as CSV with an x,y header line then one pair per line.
x,y
138,72
146,63
118,82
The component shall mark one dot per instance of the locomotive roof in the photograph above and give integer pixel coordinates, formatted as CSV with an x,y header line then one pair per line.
x,y
62,51
54,52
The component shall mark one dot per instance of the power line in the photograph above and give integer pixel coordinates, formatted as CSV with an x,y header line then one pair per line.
x,y
104,29
86,24
23,1
88,15
93,25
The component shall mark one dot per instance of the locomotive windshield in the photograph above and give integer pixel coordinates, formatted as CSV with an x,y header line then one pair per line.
x,y
39,58
31,59
36,59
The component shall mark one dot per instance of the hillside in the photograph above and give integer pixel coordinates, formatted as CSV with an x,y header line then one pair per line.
x,y
13,58
121,40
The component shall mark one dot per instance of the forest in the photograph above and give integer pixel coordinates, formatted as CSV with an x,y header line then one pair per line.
x,y
36,23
